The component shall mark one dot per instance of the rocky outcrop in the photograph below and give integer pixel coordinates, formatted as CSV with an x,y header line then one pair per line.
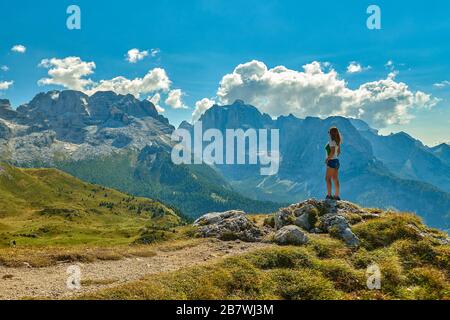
x,y
290,235
291,224
229,225
324,217
297,223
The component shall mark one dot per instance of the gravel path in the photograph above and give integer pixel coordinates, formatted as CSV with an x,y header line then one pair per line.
x,y
50,282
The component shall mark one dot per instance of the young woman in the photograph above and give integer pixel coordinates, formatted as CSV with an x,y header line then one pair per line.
x,y
333,149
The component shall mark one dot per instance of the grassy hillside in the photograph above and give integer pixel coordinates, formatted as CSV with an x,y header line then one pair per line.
x,y
49,207
194,189
412,267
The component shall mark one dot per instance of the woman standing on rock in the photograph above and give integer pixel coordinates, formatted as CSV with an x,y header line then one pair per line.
x,y
333,149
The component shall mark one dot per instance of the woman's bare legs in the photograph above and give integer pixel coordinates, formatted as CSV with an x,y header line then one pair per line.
x,y
328,178
335,177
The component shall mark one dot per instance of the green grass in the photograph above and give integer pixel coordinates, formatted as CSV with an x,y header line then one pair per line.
x,y
411,268
46,207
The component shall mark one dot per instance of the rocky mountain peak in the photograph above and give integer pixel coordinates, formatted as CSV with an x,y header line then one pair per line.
x,y
6,112
185,125
237,115
80,125
5,104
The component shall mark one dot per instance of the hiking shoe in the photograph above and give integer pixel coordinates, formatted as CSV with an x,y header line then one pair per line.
x,y
329,198
337,198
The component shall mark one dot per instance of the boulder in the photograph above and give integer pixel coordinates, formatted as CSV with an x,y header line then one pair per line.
x,y
290,235
303,215
339,227
305,221
229,225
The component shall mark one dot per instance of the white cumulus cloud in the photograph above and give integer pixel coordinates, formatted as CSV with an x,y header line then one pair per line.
x,y
69,72
135,55
200,107
355,67
4,68
5,85
315,92
155,80
174,99
19,48
72,73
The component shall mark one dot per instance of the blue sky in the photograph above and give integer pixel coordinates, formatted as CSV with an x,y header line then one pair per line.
x,y
202,41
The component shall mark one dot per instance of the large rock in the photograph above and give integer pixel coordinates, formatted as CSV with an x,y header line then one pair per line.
x,y
229,225
290,235
303,215
323,216
339,227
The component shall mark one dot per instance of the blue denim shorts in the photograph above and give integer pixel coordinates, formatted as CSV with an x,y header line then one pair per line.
x,y
334,164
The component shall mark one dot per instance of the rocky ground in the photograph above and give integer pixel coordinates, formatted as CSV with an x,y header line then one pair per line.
x,y
291,225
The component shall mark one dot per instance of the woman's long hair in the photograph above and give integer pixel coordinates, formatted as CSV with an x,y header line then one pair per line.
x,y
335,135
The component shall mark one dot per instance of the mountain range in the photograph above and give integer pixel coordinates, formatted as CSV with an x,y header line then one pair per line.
x,y
117,141
121,142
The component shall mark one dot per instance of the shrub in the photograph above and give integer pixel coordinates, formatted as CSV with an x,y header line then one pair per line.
x,y
342,274
415,254
151,236
287,257
383,232
244,280
303,285
326,247
392,276
431,284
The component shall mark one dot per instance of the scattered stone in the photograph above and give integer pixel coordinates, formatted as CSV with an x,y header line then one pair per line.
x,y
228,226
440,239
290,235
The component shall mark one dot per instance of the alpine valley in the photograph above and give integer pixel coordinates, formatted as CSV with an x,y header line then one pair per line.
x,y
123,143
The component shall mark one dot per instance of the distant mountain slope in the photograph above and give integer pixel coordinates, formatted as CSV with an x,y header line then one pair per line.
x,y
409,158
442,151
366,179
194,189
42,206
117,141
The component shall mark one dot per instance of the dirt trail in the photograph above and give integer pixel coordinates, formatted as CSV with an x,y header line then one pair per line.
x,y
50,282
